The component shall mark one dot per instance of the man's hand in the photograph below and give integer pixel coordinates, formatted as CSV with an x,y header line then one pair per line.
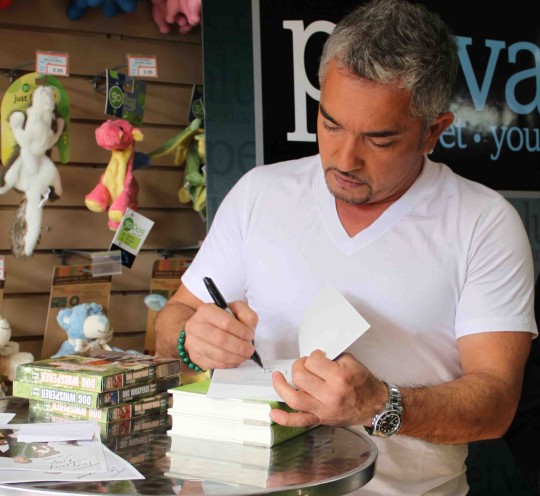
x,y
216,339
337,393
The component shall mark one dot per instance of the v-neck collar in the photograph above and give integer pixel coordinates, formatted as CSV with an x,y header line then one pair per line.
x,y
396,211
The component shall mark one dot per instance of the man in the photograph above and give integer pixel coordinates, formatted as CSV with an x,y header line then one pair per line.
x,y
439,266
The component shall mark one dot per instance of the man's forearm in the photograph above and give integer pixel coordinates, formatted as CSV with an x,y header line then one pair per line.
x,y
168,324
452,414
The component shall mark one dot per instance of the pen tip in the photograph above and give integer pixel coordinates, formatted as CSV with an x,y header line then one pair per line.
x,y
257,359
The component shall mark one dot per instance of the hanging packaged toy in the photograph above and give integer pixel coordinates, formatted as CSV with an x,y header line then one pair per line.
x,y
117,188
34,118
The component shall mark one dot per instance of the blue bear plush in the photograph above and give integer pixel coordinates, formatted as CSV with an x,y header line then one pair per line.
x,y
87,327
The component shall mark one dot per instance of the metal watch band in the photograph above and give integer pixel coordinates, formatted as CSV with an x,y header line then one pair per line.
x,y
392,410
394,395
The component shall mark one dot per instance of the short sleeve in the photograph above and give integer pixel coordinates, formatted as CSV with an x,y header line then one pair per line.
x,y
498,293
221,253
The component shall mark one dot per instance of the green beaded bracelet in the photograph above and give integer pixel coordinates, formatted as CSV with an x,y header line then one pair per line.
x,y
183,354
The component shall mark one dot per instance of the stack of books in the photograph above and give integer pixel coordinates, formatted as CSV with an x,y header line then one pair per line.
x,y
106,386
196,415
161,422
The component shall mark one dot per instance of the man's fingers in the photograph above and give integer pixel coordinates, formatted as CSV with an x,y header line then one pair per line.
x,y
220,318
302,419
211,347
296,399
245,314
215,338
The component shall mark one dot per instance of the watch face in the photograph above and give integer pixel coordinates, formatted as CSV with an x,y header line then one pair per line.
x,y
388,423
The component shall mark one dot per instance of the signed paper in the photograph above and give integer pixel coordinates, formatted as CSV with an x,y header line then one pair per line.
x,y
248,380
118,469
330,324
52,456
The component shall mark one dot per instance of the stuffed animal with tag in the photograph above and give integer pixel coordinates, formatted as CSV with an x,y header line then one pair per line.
x,y
10,356
117,188
30,169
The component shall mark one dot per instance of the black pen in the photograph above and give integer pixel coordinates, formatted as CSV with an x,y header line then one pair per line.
x,y
221,303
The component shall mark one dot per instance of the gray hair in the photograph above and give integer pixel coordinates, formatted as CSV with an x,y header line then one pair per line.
x,y
397,42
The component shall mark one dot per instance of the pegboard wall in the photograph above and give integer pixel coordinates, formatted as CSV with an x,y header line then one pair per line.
x,y
70,232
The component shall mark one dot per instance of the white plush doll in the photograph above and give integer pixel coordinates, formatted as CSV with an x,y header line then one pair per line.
x,y
10,356
30,170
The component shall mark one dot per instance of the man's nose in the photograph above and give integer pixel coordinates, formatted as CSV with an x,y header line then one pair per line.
x,y
350,155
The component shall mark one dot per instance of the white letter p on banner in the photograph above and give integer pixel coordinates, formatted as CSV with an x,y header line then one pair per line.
x,y
302,86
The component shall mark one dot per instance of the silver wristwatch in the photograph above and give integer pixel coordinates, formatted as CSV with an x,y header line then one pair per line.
x,y
389,421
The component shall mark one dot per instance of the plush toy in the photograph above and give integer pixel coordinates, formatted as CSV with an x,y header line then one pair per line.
x,y
10,356
194,185
30,170
189,149
117,186
179,144
76,8
87,327
155,301
184,13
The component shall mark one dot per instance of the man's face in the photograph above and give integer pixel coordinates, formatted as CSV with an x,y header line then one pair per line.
x,y
371,146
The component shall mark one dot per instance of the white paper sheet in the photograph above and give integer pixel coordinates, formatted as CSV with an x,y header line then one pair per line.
x,y
330,324
66,431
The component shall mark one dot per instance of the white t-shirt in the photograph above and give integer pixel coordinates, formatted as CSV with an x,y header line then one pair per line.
x,y
449,258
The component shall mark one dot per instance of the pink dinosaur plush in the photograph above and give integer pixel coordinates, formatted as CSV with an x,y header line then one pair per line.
x,y
117,186
185,13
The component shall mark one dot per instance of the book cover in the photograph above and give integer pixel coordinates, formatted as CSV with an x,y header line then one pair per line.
x,y
158,403
191,399
93,399
236,431
149,423
97,370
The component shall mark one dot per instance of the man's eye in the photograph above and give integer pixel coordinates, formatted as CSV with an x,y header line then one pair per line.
x,y
330,128
382,144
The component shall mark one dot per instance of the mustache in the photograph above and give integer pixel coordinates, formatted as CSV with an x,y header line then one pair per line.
x,y
346,174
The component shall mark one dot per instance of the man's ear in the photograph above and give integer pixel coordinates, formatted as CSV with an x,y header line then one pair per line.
x,y
436,128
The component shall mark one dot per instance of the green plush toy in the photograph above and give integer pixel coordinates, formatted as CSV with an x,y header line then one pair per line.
x,y
194,186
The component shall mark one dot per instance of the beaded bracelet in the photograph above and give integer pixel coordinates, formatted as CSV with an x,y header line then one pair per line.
x,y
183,354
